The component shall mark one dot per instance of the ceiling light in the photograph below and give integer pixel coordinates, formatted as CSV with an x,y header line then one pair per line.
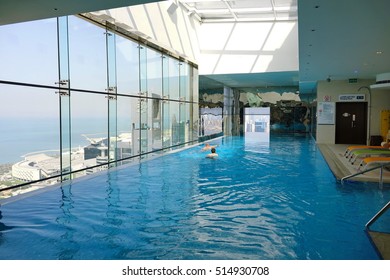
x,y
379,52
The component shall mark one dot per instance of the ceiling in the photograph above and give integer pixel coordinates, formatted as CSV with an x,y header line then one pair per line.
x,y
337,39
242,10
12,11
342,39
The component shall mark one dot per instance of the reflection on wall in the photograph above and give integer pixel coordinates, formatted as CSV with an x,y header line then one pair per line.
x,y
288,113
211,116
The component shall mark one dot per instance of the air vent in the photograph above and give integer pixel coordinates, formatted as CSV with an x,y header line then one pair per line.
x,y
382,81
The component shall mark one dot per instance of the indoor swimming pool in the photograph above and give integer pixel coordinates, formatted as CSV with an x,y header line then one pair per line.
x,y
255,201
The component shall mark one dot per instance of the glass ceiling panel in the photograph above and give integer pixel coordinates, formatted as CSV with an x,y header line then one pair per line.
x,y
264,16
207,5
285,3
236,10
245,4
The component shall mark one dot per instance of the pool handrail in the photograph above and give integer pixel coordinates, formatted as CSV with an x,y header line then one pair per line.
x,y
377,215
367,170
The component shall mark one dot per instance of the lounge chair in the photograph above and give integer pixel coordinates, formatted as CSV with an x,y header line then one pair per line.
x,y
368,161
349,149
368,153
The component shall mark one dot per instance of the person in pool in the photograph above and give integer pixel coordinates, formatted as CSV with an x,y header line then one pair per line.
x,y
213,153
207,147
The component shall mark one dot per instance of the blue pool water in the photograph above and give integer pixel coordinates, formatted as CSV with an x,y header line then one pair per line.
x,y
254,202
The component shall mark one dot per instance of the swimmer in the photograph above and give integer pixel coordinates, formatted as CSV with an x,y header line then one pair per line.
x,y
207,147
213,153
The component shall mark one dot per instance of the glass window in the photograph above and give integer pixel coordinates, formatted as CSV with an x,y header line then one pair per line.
x,y
175,121
184,81
128,127
28,52
166,125
154,76
195,122
29,129
89,130
174,81
87,55
94,128
127,63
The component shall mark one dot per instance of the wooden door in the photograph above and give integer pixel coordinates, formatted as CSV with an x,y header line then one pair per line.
x,y
351,123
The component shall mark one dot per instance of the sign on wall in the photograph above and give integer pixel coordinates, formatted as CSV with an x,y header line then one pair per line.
x,y
352,97
326,112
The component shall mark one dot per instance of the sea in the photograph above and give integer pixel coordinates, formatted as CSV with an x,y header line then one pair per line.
x,y
19,137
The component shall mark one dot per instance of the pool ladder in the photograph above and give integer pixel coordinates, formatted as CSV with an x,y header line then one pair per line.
x,y
367,170
381,240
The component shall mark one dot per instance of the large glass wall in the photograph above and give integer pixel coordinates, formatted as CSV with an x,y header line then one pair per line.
x,y
77,98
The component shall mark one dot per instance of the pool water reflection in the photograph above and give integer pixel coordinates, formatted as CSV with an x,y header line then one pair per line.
x,y
256,201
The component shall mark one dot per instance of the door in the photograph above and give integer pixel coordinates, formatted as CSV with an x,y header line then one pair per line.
x,y
351,123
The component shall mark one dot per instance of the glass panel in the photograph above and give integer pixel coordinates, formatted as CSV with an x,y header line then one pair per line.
x,y
166,125
63,50
174,114
89,131
128,113
195,121
144,102
166,118
24,46
127,63
155,91
112,98
112,127
174,82
194,97
128,135
182,122
29,142
87,55
66,145
184,107
156,124
184,81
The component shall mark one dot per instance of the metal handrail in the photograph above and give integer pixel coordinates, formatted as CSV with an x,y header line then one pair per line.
x,y
367,170
377,215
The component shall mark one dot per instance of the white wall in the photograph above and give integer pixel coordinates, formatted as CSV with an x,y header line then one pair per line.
x,y
380,100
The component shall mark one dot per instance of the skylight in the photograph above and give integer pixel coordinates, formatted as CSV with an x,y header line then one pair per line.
x,y
242,10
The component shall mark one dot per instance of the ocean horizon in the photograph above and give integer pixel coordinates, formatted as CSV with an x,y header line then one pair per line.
x,y
22,136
